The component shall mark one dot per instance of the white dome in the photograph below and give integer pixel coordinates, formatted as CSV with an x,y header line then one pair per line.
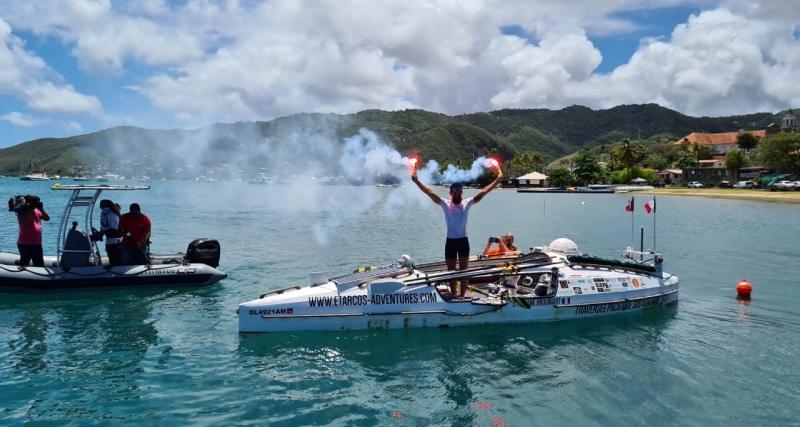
x,y
564,246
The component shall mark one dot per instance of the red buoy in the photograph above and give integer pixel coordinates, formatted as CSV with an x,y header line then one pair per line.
x,y
743,289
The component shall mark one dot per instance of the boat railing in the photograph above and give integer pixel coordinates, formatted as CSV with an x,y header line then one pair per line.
x,y
279,291
641,257
636,261
500,269
366,276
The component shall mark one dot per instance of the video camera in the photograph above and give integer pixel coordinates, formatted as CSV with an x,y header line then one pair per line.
x,y
20,204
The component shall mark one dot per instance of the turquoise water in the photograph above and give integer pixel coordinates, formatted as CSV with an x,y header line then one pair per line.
x,y
175,356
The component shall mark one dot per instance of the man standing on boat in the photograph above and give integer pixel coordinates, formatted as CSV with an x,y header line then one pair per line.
x,y
135,227
456,213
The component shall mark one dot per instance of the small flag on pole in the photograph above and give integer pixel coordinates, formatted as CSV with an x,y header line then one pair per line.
x,y
650,206
629,206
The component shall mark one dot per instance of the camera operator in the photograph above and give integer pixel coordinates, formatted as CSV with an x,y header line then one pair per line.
x,y
505,246
29,242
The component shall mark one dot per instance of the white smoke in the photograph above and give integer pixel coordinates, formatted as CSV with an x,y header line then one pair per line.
x,y
304,160
366,158
453,174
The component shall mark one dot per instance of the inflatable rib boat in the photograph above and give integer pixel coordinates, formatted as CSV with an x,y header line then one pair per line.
x,y
547,284
78,264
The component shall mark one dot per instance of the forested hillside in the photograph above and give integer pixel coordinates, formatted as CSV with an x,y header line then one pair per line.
x,y
247,146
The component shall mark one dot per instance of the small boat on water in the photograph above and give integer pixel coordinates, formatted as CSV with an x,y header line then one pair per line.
x,y
546,190
552,283
35,176
78,264
597,189
593,188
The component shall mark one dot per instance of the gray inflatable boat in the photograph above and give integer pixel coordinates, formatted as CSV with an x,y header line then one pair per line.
x,y
78,264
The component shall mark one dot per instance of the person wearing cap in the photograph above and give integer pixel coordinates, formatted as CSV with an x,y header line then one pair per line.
x,y
135,228
456,214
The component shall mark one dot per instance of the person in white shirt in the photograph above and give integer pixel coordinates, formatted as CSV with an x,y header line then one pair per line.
x,y
109,222
456,214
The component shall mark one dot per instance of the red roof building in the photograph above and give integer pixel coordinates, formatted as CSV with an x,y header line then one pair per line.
x,y
720,143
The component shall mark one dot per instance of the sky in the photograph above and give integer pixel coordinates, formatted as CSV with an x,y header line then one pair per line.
x,y
69,67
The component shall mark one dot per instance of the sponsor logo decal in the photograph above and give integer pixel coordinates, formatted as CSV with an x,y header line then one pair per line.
x,y
374,299
608,307
415,298
166,271
338,301
635,283
527,303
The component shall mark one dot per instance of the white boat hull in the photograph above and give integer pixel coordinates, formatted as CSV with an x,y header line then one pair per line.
x,y
396,303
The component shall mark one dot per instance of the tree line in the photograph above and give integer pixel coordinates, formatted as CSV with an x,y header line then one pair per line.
x,y
626,160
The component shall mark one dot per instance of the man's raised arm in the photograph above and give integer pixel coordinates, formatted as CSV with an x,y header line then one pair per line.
x,y
425,189
485,190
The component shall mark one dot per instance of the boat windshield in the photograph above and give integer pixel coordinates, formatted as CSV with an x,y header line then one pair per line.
x,y
84,197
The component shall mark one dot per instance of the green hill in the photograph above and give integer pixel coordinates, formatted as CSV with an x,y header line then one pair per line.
x,y
244,147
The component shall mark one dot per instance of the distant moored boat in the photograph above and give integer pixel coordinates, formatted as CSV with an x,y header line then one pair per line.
x,y
35,176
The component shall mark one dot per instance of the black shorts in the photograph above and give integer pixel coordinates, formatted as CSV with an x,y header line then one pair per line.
x,y
456,248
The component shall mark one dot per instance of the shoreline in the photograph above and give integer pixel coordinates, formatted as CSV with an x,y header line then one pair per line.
x,y
729,193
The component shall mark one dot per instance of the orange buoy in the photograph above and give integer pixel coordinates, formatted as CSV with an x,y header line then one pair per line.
x,y
743,289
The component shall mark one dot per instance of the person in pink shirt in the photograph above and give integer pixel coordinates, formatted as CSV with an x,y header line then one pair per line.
x,y
29,241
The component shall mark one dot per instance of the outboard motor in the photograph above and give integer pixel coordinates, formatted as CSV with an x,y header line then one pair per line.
x,y
77,249
203,251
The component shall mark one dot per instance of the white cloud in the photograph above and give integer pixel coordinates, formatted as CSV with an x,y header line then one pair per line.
x,y
28,78
22,120
717,63
103,38
73,126
451,57
50,97
230,60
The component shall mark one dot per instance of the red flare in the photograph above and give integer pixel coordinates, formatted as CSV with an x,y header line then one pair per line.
x,y
482,405
497,421
397,414
494,163
412,164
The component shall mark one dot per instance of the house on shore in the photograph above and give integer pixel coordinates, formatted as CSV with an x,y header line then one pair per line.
x,y
533,179
668,176
719,143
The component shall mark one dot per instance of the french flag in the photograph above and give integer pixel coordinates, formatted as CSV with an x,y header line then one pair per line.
x,y
629,206
650,206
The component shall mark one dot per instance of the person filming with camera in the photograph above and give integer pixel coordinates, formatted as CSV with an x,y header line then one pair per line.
x,y
30,214
505,246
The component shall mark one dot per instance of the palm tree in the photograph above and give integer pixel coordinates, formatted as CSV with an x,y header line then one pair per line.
x,y
628,154
746,141
523,163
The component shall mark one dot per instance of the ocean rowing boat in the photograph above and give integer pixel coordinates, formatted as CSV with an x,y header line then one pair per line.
x,y
551,283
